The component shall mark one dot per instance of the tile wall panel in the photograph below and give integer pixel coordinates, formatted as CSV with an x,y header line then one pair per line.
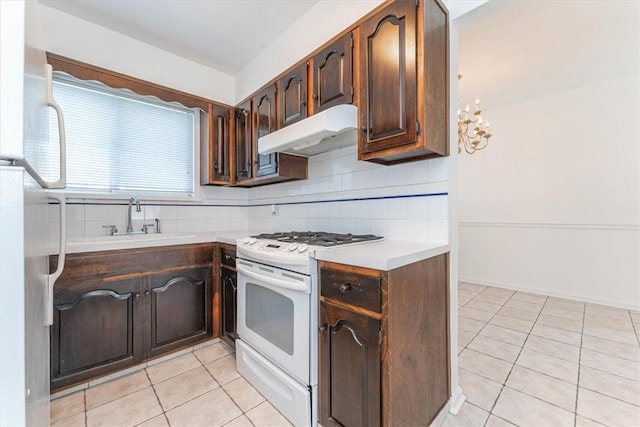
x,y
342,194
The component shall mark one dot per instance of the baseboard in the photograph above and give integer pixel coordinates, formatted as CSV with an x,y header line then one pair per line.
x,y
453,406
565,295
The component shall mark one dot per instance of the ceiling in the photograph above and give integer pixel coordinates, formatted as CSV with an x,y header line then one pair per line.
x,y
510,51
221,34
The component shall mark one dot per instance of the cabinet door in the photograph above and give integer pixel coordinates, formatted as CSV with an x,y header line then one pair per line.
x,y
243,142
388,76
95,329
349,380
292,95
219,149
179,308
264,122
333,75
229,305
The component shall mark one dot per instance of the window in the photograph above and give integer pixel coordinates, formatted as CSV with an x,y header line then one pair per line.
x,y
119,142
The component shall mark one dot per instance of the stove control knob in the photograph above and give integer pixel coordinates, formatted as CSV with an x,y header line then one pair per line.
x,y
252,241
293,247
303,247
246,240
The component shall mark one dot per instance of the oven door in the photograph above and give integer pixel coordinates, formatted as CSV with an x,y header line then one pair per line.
x,y
274,315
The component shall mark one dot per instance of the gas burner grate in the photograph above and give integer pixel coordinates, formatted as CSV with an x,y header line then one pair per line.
x,y
318,238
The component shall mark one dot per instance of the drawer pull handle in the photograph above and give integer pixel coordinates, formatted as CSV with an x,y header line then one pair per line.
x,y
347,287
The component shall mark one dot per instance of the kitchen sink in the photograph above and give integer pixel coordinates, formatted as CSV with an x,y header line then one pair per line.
x,y
125,241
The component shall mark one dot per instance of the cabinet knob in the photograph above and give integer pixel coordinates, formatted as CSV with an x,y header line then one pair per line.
x,y
322,329
345,287
147,292
137,295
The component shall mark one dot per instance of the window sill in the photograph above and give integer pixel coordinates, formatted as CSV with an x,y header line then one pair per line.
x,y
144,197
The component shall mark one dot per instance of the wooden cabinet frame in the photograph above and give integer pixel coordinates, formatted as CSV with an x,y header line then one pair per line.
x,y
413,336
124,284
228,278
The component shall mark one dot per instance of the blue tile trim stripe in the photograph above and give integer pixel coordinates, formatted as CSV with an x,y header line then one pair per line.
x,y
306,202
353,199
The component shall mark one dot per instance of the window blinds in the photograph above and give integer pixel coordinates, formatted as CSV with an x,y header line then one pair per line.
x,y
120,143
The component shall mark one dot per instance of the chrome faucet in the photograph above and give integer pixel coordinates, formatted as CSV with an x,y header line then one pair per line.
x,y
132,200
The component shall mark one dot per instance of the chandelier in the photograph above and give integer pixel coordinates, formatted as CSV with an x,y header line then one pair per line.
x,y
473,133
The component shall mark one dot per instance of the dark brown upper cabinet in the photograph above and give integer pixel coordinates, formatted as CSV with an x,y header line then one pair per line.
x,y
243,142
403,98
217,154
333,74
274,167
388,75
265,121
292,96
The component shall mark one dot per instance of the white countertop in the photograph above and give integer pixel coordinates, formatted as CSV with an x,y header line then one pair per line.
x,y
383,255
111,243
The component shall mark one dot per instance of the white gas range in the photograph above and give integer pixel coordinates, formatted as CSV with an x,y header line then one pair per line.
x,y
278,317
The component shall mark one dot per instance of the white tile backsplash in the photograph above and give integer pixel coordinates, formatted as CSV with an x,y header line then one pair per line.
x,y
169,212
350,196
151,213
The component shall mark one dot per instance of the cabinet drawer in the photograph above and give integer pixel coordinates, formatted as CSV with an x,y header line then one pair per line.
x,y
228,256
351,288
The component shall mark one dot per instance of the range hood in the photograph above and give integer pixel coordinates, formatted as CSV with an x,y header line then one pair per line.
x,y
325,131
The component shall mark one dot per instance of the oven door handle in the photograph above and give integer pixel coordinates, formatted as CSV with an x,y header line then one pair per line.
x,y
291,285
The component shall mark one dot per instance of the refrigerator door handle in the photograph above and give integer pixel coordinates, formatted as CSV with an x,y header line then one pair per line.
x,y
61,254
51,102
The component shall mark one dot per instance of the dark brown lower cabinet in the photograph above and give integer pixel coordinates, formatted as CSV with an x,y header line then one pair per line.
x,y
349,367
229,289
180,308
229,306
383,344
115,309
95,329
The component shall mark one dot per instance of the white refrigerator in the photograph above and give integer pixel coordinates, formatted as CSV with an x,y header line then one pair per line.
x,y
27,163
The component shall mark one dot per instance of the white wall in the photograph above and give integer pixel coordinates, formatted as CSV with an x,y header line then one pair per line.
x,y
319,24
85,41
553,204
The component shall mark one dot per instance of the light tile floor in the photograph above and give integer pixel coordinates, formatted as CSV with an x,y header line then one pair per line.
x,y
532,360
525,360
200,387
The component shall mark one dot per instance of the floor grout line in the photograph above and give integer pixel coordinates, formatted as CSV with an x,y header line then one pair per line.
x,y
571,333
